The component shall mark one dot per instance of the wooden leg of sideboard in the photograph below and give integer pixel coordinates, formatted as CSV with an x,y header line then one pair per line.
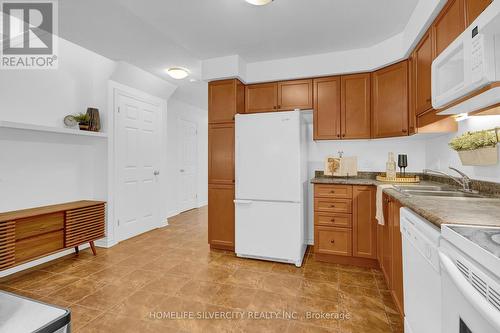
x,y
92,246
76,249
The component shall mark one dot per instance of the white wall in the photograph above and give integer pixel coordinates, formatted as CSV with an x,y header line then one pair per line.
x,y
179,110
45,168
440,156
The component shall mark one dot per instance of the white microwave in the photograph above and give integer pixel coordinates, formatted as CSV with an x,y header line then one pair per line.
x,y
470,62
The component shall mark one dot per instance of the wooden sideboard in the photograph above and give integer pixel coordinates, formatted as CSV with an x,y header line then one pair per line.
x,y
32,233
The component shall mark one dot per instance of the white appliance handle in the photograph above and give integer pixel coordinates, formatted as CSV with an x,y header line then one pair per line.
x,y
478,302
243,202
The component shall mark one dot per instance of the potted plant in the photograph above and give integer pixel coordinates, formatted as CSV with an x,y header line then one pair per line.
x,y
83,120
476,148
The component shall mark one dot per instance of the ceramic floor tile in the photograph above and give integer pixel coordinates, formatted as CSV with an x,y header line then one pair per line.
x,y
129,288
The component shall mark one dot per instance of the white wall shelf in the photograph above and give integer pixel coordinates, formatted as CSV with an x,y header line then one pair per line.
x,y
50,129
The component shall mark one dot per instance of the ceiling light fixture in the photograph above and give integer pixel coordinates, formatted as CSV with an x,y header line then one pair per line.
x,y
259,2
178,73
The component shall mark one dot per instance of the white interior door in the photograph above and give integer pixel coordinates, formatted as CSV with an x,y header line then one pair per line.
x,y
188,161
137,147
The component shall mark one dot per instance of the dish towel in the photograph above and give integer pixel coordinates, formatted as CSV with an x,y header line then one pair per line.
x,y
379,215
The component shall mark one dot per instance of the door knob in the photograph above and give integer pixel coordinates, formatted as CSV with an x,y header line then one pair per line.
x,y
156,172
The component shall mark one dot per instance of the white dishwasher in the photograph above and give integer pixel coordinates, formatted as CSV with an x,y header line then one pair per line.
x,y
421,274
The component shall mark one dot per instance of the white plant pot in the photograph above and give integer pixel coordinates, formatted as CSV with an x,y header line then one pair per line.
x,y
482,156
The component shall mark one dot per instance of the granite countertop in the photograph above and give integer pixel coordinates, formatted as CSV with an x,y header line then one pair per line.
x,y
437,210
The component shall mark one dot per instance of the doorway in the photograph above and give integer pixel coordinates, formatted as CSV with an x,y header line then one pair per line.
x,y
188,164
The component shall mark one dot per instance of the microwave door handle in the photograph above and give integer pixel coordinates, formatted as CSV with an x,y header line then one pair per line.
x,y
472,296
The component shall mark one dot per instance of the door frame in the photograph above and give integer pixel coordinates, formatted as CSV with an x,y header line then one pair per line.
x,y
196,204
115,88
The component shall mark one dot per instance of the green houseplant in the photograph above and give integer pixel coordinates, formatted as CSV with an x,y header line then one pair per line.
x,y
83,120
476,148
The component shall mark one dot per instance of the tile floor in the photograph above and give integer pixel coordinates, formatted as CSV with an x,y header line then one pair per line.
x,y
136,285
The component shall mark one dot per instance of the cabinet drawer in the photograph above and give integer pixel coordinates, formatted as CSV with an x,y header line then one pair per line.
x,y
37,225
330,240
333,191
39,245
333,220
333,205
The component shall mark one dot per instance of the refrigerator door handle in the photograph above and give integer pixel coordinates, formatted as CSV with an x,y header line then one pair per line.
x,y
242,202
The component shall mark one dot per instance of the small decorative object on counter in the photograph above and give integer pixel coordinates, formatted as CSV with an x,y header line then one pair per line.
x,y
400,178
94,119
477,148
341,166
70,122
402,163
390,168
83,121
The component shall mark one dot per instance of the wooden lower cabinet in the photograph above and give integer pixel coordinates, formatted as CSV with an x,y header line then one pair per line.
x,y
333,240
390,244
29,234
221,216
344,224
364,230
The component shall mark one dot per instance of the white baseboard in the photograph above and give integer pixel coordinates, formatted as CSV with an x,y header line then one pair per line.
x,y
202,203
310,241
106,243
40,261
173,213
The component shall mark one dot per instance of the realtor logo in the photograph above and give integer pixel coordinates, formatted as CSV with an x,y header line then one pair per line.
x,y
29,34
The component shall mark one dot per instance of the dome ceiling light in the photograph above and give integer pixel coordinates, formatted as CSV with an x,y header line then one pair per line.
x,y
259,2
178,73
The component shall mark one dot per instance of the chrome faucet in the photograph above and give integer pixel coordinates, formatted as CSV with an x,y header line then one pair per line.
x,y
464,181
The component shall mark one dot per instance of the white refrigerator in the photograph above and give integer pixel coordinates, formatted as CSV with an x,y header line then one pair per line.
x,y
271,186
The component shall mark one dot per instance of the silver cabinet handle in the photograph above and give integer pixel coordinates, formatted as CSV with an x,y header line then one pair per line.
x,y
156,172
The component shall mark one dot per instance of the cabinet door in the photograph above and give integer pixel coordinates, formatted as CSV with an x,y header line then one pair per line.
x,y
221,216
390,101
421,78
449,24
397,256
221,153
412,116
386,263
225,99
327,108
475,7
364,224
330,240
356,106
295,94
261,97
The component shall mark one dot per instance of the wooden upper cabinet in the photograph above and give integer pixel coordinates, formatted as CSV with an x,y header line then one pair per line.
x,y
449,24
421,76
412,116
297,94
364,231
390,101
221,153
225,99
262,97
327,108
355,106
475,7
221,216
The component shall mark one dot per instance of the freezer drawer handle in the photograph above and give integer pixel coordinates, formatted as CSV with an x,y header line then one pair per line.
x,y
242,202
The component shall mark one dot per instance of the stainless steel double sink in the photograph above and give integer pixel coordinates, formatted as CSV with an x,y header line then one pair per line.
x,y
434,191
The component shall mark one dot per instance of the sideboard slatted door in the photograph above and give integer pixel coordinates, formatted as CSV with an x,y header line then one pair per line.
x,y
7,243
84,225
